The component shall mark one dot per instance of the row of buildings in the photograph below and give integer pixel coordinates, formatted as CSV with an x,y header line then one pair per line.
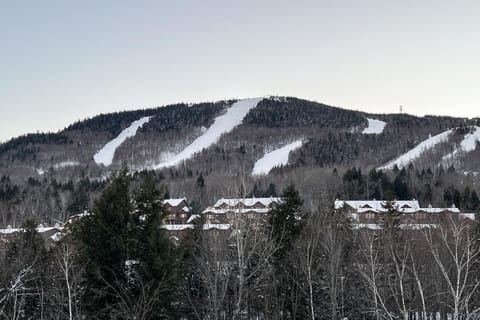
x,y
221,216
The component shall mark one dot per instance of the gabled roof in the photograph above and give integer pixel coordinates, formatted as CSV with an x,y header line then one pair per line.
x,y
247,202
174,202
377,205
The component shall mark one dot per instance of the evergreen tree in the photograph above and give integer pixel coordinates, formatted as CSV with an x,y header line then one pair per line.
x,y
156,257
286,224
286,220
105,238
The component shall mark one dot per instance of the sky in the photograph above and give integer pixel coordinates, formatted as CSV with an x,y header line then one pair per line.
x,y
63,61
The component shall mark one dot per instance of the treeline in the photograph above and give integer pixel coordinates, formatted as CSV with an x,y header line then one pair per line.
x,y
293,112
170,117
24,146
118,263
175,117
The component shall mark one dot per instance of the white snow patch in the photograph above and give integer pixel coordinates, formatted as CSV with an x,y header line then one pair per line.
x,y
105,155
374,126
223,124
471,173
275,158
468,144
416,152
66,164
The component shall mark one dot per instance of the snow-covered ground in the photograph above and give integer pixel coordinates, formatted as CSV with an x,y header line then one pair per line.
x,y
374,126
105,155
278,157
469,143
223,124
65,164
416,152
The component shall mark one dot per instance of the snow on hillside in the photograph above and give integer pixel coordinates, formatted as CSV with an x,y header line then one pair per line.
x,y
105,155
223,124
416,152
278,157
374,126
469,143
65,164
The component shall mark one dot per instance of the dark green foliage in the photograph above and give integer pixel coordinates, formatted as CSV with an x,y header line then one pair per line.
x,y
200,182
286,219
286,223
23,142
171,117
271,191
400,188
80,197
113,123
293,112
179,116
158,260
126,253
105,238
8,190
354,183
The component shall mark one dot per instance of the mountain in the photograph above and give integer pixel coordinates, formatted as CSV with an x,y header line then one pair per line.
x,y
227,148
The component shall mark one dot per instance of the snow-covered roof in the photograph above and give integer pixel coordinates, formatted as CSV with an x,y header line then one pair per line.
x,y
405,226
78,216
39,230
470,216
247,202
236,210
180,227
174,202
404,206
377,205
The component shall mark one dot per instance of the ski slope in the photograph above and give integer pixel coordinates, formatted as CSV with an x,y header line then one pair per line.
x,y
469,143
105,155
222,124
374,126
278,157
416,152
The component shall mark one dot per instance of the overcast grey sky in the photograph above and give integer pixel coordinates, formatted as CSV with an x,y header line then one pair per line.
x,y
61,61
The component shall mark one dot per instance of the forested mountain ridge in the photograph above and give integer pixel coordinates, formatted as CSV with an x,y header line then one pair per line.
x,y
53,175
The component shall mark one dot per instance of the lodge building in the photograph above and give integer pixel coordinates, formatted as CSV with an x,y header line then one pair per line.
x,y
368,213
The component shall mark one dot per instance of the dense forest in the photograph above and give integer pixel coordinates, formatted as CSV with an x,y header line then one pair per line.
x,y
292,112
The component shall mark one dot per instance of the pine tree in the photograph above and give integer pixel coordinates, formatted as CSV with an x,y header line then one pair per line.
x,y
158,259
105,238
286,225
286,220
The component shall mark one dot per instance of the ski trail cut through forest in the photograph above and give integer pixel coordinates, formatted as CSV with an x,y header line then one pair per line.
x,y
105,155
416,152
278,157
223,124
374,126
